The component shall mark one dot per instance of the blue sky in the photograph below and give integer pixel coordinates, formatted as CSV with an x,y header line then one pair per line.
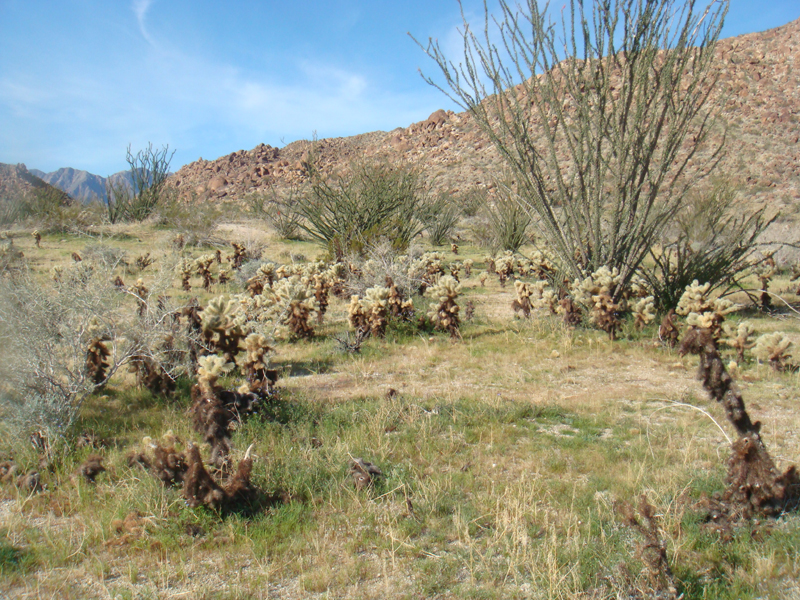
x,y
82,79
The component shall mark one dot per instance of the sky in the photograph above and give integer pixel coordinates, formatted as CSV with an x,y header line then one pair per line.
x,y
81,80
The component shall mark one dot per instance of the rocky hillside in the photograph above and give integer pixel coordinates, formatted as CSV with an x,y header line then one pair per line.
x,y
758,96
17,183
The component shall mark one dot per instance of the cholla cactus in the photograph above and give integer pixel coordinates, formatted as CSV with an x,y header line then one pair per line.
x,y
604,281
323,280
490,266
186,268
643,313
523,301
293,306
444,310
203,266
140,291
454,248
239,255
210,369
540,265
739,339
774,347
399,306
701,312
604,314
255,365
376,307
427,269
765,272
504,266
264,277
222,325
37,238
97,365
357,315
455,270
468,263
544,297
484,276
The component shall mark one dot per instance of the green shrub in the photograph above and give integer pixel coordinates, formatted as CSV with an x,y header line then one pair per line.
x,y
372,202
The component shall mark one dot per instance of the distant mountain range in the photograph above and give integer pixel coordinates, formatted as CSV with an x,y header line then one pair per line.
x,y
82,185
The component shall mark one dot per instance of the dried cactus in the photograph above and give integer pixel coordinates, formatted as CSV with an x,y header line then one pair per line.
x,y
144,261
570,311
605,315
186,269
444,310
668,331
200,489
203,266
140,291
239,255
97,365
765,272
523,301
774,348
739,339
755,487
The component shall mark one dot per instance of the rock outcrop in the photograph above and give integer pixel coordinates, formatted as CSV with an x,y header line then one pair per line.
x,y
758,96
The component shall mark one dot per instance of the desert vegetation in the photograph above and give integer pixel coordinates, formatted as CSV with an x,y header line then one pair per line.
x,y
356,388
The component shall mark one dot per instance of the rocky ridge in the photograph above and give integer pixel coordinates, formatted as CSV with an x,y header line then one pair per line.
x,y
758,95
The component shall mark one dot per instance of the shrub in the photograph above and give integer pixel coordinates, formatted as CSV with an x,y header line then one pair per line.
x,y
63,339
602,143
440,218
136,200
508,223
279,208
710,240
372,202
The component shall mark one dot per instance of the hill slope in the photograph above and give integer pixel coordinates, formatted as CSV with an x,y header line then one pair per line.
x,y
758,96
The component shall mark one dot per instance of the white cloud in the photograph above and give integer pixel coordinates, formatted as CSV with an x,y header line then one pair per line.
x,y
140,8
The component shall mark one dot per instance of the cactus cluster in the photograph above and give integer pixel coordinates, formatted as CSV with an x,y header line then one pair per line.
x,y
703,312
443,312
774,348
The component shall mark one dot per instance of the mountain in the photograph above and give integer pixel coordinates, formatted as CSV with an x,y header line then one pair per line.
x,y
18,184
81,185
758,97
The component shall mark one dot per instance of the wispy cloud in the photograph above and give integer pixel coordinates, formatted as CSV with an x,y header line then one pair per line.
x,y
140,8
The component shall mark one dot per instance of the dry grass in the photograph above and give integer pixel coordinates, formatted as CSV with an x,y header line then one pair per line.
x,y
505,456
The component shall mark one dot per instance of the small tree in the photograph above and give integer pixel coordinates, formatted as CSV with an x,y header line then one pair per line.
x,y
599,119
137,199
